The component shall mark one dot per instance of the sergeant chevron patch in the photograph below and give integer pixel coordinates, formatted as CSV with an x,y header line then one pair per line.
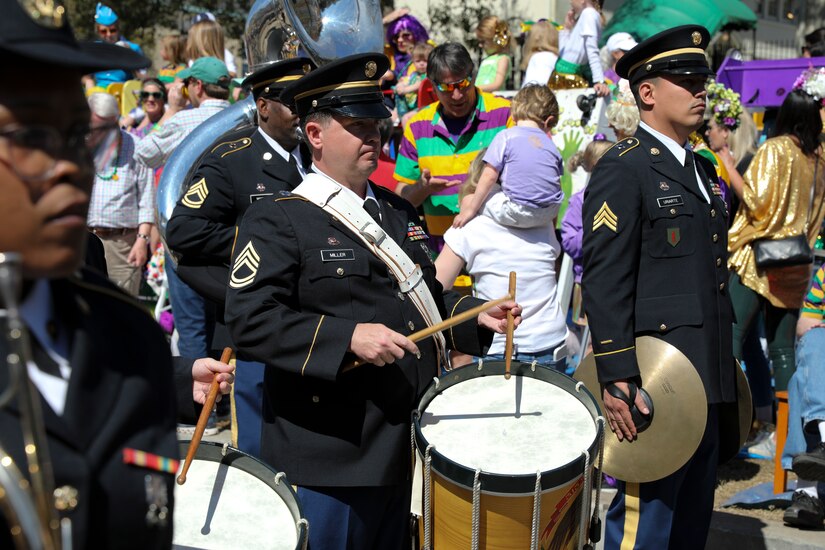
x,y
605,217
196,194
246,267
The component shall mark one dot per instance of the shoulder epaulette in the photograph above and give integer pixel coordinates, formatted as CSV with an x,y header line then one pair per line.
x,y
625,145
79,279
290,197
229,147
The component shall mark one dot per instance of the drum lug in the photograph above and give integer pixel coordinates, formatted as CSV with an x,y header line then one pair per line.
x,y
278,477
224,449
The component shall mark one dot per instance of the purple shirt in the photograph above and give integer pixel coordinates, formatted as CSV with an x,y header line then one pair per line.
x,y
571,233
530,166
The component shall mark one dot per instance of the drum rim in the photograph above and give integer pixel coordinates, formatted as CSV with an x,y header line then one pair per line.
x,y
213,452
512,484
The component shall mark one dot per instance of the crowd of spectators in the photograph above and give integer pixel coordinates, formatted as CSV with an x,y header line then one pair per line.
x,y
448,109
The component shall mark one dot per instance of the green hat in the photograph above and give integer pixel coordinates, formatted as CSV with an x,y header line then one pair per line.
x,y
210,70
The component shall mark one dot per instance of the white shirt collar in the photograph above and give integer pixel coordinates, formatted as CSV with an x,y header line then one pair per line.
x,y
36,311
679,151
353,194
283,152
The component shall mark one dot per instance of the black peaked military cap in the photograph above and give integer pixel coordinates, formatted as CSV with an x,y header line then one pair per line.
x,y
347,86
680,50
40,31
268,82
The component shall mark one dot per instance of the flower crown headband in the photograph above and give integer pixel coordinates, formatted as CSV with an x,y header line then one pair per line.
x,y
725,105
812,81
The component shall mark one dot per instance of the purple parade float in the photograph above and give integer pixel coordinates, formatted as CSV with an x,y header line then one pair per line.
x,y
764,83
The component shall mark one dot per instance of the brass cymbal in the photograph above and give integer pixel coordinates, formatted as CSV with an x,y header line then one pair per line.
x,y
679,414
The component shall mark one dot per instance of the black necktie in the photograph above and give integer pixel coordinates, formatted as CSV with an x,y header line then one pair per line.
x,y
42,358
372,209
689,168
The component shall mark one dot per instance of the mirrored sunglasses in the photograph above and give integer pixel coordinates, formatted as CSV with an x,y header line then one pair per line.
x,y
451,86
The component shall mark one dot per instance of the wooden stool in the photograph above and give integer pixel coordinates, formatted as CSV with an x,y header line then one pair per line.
x,y
780,475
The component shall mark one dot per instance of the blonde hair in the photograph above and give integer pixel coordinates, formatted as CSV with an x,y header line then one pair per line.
x,y
543,37
623,114
495,29
473,175
174,46
205,40
535,102
588,158
742,141
422,48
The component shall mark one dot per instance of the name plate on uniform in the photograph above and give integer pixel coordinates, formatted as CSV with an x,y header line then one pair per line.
x,y
337,255
675,200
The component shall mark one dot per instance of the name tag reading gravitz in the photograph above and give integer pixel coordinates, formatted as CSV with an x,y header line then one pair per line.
x,y
337,255
665,202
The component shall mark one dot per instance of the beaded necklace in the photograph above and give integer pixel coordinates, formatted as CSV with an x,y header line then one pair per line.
x,y
113,176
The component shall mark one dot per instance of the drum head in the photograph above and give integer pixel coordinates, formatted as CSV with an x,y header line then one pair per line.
x,y
537,421
234,501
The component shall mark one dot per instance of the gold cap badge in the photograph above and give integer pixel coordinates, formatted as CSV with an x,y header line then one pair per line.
x,y
47,13
306,68
696,37
370,69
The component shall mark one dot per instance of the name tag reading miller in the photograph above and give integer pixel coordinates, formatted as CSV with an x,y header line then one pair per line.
x,y
339,255
675,200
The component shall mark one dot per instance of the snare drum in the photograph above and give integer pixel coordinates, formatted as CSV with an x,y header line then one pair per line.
x,y
233,500
506,463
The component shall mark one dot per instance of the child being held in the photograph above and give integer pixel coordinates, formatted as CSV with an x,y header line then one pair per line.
x,y
529,163
407,88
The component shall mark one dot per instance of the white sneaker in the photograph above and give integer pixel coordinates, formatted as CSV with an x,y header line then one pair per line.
x,y
188,430
764,449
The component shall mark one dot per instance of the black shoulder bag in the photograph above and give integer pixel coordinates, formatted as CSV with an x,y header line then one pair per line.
x,y
790,250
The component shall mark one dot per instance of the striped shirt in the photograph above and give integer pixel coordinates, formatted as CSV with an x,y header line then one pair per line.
x,y
156,148
427,144
814,304
127,199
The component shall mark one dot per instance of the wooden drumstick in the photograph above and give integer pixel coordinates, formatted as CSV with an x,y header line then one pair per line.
x,y
445,324
211,397
511,326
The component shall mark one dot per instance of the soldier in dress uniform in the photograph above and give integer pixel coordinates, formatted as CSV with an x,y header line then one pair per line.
x,y
101,366
655,263
307,296
245,166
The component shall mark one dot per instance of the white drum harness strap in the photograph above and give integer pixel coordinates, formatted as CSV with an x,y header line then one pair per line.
x,y
326,194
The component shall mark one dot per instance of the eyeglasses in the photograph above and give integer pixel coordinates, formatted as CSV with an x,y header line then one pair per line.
x,y
154,95
32,152
404,35
452,86
107,30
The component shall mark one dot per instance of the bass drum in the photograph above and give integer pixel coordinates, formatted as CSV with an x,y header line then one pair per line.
x,y
506,463
233,500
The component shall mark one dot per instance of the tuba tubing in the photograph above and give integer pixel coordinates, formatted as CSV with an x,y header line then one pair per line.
x,y
275,29
184,161
42,530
